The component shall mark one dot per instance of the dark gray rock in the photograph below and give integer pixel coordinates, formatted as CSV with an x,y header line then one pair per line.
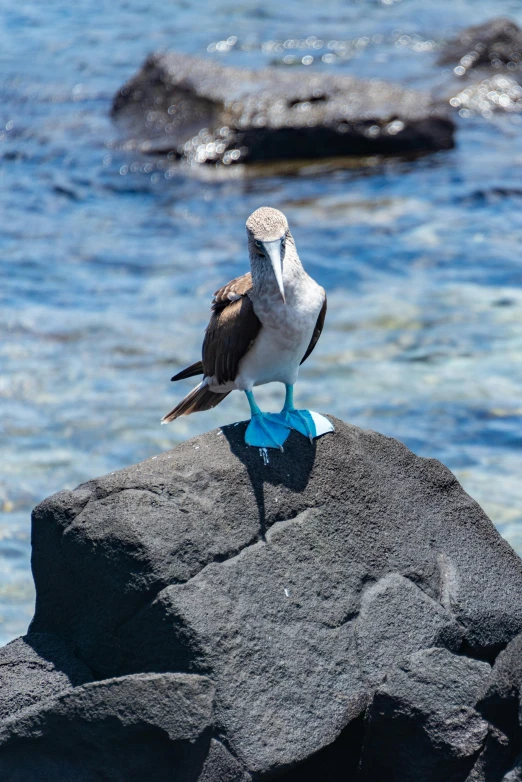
x,y
203,111
147,726
275,631
515,774
422,723
496,42
221,766
500,703
296,586
492,50
495,757
396,618
36,667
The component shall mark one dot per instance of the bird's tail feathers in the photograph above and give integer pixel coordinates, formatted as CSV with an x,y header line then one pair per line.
x,y
193,369
200,398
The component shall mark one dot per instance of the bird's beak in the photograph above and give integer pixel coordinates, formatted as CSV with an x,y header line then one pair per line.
x,y
273,253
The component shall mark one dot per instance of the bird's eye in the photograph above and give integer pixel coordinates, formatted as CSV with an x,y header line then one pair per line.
x,y
257,244
283,242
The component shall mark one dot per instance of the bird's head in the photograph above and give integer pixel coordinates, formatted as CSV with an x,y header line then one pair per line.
x,y
267,231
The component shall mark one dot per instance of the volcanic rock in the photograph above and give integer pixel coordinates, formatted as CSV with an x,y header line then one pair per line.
x,y
206,112
425,709
35,667
493,43
501,702
310,589
130,728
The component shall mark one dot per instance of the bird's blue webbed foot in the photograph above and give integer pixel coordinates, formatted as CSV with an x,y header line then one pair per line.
x,y
309,423
263,431
300,420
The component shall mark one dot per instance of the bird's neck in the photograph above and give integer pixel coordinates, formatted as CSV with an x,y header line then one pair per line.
x,y
294,276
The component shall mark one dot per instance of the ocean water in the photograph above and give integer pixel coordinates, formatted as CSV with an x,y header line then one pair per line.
x,y
109,260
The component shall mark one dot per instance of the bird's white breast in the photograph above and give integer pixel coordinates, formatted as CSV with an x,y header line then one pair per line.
x,y
287,329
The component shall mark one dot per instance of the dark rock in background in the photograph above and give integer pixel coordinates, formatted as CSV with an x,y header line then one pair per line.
x,y
345,600
204,112
493,50
496,42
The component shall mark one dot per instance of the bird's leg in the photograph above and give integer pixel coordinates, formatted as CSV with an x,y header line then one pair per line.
x,y
303,416
263,431
254,407
289,398
310,424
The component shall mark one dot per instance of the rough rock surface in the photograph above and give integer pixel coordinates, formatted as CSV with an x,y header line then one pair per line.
x,y
345,600
426,706
203,111
500,704
515,775
35,667
130,728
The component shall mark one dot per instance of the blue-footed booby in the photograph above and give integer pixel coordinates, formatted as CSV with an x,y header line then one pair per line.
x,y
263,326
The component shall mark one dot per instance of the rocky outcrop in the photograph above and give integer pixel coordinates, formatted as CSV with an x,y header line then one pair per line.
x,y
339,612
492,50
36,667
426,702
135,724
493,43
206,112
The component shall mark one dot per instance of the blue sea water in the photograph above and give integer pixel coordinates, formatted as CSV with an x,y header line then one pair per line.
x,y
108,261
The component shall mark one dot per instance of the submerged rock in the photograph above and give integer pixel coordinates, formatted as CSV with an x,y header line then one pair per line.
x,y
331,614
206,112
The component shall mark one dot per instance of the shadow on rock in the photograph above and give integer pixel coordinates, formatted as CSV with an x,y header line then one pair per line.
x,y
290,468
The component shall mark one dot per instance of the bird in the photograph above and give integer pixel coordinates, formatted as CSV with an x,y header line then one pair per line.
x,y
263,325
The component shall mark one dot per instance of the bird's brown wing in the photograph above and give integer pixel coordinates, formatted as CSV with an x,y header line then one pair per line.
x,y
232,329
223,298
317,331
232,291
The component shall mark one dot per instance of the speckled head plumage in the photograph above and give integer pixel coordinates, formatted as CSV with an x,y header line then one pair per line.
x,y
266,224
271,248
